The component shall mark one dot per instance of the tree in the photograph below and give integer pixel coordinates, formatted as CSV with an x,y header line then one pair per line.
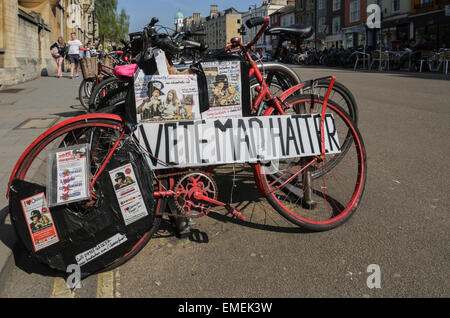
x,y
112,26
123,23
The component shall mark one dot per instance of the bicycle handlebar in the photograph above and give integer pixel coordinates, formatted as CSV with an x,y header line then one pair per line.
x,y
253,22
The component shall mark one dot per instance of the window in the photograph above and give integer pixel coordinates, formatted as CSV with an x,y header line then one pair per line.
x,y
354,11
322,25
395,5
336,5
321,5
336,25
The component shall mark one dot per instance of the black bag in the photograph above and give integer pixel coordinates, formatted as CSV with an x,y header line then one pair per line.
x,y
80,232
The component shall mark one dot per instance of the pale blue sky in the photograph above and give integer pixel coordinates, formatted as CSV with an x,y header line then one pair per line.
x,y
142,11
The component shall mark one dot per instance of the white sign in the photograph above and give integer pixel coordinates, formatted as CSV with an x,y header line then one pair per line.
x,y
236,140
100,249
128,194
447,10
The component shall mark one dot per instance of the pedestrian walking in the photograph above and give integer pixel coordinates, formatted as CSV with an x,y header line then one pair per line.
x,y
74,54
58,50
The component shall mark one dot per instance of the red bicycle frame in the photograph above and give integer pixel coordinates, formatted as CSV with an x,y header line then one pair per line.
x,y
276,103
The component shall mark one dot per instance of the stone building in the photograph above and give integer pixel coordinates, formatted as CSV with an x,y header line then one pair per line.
x,y
196,25
221,26
29,27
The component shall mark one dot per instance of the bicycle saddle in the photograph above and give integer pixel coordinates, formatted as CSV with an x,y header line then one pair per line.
x,y
295,30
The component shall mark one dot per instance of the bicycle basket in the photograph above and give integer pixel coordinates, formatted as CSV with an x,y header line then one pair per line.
x,y
89,67
108,65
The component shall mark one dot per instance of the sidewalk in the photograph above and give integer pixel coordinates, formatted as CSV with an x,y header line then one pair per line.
x,y
48,99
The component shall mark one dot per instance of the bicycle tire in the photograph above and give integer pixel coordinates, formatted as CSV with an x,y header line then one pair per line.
x,y
355,183
84,92
283,81
102,90
66,132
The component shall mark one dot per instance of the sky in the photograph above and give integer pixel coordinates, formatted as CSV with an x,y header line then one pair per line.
x,y
142,11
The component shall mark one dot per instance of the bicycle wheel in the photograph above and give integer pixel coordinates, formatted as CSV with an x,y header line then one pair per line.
x,y
108,93
84,92
101,133
278,82
318,194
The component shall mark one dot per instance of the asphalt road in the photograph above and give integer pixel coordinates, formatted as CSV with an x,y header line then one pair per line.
x,y
402,224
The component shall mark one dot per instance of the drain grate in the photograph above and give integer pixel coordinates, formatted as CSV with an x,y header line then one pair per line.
x,y
37,123
12,90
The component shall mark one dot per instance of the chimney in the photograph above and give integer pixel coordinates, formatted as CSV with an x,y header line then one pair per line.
x,y
214,10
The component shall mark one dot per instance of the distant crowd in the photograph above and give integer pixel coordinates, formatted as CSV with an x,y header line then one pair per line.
x,y
72,50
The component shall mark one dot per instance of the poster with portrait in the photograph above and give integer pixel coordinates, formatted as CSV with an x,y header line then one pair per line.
x,y
224,89
166,97
68,175
40,222
128,194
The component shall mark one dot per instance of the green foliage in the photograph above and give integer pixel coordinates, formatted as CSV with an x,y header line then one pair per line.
x,y
112,26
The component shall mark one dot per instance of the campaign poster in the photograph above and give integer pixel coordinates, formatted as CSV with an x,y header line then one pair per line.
x,y
224,89
128,194
166,97
72,168
40,222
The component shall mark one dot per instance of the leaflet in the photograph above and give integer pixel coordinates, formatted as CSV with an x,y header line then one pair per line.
x,y
40,222
68,175
100,249
128,194
224,89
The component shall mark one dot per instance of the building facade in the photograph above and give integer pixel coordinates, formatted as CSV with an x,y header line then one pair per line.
x,y
221,27
29,27
265,10
335,20
430,19
305,13
196,25
282,17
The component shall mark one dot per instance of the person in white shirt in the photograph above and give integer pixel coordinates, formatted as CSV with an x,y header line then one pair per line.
x,y
74,54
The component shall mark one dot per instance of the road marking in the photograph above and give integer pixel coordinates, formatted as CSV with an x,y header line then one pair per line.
x,y
105,285
61,290
117,277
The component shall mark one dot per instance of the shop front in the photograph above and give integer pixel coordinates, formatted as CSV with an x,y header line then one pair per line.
x,y
433,26
395,33
355,36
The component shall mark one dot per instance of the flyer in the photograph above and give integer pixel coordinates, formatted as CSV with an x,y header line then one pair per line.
x,y
224,89
71,175
166,97
128,194
40,222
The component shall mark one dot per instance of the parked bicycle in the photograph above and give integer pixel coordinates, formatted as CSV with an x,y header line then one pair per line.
x,y
318,192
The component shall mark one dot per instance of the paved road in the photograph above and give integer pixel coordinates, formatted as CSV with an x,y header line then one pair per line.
x,y
402,224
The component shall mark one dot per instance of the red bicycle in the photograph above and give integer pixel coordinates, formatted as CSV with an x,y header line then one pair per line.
x,y
318,193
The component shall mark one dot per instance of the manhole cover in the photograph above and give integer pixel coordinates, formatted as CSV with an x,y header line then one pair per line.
x,y
34,123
